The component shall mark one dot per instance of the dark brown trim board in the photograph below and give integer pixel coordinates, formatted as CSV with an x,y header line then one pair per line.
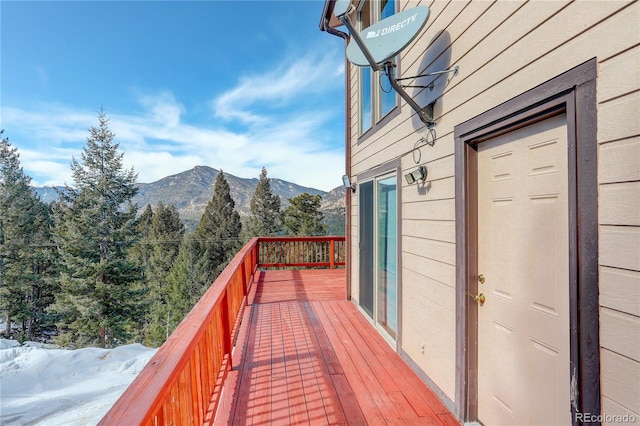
x,y
347,168
574,94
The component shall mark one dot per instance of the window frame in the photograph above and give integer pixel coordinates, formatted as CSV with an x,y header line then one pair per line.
x,y
377,117
383,171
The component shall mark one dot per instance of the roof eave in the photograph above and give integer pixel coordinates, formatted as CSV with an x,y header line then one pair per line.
x,y
328,19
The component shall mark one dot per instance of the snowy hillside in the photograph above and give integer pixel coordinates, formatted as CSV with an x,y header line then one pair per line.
x,y
44,386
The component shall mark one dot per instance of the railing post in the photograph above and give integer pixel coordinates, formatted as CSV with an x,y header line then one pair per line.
x,y
226,326
256,255
332,254
243,276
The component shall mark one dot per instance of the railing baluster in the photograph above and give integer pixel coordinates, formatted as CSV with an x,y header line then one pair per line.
x,y
332,254
226,328
283,252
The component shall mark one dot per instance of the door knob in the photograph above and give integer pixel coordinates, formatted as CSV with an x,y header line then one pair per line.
x,y
481,278
480,298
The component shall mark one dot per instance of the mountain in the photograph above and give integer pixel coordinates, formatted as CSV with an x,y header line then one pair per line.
x,y
190,191
334,211
47,194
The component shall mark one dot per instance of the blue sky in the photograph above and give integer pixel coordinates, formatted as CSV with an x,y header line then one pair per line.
x,y
235,85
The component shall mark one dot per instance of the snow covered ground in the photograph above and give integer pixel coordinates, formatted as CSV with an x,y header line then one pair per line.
x,y
44,386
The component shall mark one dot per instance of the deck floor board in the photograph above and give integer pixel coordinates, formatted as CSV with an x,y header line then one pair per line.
x,y
305,355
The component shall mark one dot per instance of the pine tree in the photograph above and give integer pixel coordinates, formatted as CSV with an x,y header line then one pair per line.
x,y
142,250
43,283
218,233
145,219
185,286
100,298
26,261
167,232
303,215
140,254
265,217
166,236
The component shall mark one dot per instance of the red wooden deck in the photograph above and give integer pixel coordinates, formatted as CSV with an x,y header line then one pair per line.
x,y
305,355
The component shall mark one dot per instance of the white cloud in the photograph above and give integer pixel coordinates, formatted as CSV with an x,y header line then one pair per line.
x,y
292,79
156,165
157,142
51,124
278,119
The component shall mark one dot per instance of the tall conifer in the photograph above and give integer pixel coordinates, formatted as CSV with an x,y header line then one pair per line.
x,y
99,300
265,217
141,251
26,261
218,233
166,235
303,216
185,285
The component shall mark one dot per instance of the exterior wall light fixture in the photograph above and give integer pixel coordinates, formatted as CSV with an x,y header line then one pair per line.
x,y
346,181
418,174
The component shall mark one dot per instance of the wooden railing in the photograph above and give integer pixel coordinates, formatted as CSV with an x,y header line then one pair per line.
x,y
307,252
182,383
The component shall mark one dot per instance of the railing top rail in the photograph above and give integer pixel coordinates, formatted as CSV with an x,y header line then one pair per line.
x,y
297,238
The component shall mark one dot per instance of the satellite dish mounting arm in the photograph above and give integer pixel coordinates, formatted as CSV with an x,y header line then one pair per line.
x,y
426,113
344,18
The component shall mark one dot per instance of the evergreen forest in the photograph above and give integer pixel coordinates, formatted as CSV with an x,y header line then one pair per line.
x,y
94,269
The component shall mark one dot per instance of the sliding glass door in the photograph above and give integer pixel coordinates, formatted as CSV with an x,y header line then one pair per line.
x,y
379,252
387,250
366,247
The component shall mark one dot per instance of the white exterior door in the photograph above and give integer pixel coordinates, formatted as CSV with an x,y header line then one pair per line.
x,y
523,256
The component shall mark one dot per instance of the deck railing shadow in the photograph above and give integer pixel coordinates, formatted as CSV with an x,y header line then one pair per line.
x,y
182,383
261,402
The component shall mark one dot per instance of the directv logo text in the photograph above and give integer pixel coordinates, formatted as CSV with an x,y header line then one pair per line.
x,y
392,28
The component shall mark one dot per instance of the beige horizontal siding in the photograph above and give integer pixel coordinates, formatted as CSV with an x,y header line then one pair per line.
x,y
619,118
431,190
436,250
615,411
430,210
619,75
620,203
620,332
619,217
423,300
619,161
436,270
619,247
620,378
435,230
503,49
620,290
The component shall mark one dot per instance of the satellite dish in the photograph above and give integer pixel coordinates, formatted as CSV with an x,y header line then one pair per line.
x,y
385,39
374,46
341,7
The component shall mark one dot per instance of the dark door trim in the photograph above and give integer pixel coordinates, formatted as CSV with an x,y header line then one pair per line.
x,y
572,93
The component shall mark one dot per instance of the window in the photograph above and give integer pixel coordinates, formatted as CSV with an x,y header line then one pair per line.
x,y
376,96
366,108
387,94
